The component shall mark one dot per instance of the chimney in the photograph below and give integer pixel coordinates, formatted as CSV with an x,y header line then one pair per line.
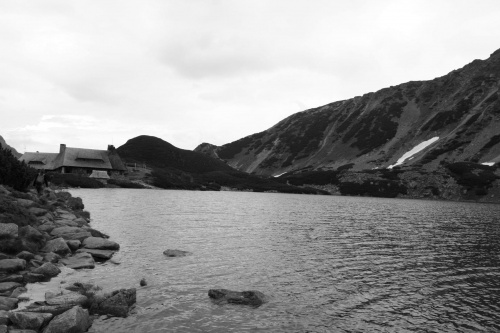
x,y
62,148
111,147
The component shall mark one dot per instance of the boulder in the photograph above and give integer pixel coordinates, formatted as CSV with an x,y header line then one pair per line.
x,y
118,304
34,277
75,203
36,263
18,292
176,253
79,236
100,244
4,317
9,230
25,202
26,255
48,269
65,230
30,233
75,320
79,260
12,278
5,329
53,309
58,246
81,222
9,286
8,303
98,254
12,265
29,320
46,227
252,297
4,256
72,298
38,211
52,257
97,233
73,244
65,215
65,223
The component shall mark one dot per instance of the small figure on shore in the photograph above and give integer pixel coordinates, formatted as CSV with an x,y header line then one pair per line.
x,y
40,180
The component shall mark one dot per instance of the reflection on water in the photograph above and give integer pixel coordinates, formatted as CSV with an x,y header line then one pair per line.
x,y
329,264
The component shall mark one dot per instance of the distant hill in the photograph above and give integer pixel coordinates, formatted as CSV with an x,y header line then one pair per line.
x,y
460,111
5,145
184,169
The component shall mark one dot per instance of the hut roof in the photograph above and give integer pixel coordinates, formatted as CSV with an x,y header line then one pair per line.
x,y
39,160
84,158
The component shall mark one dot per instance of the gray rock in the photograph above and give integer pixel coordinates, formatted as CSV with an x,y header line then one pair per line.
x,y
25,202
58,246
4,317
79,261
176,253
65,215
46,227
98,254
118,305
8,303
100,244
5,329
52,257
81,222
38,211
12,265
30,233
9,230
79,236
97,233
252,297
75,320
48,269
18,292
4,256
65,230
12,278
9,286
72,298
25,255
73,244
65,223
29,320
53,309
34,277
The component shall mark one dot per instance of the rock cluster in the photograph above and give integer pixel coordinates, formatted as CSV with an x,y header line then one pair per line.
x,y
39,234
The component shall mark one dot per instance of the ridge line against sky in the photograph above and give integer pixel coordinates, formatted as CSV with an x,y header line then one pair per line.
x,y
93,73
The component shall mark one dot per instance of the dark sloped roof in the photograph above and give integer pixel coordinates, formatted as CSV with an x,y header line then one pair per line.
x,y
39,160
84,158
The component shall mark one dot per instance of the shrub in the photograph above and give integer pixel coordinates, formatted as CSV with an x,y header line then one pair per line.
x,y
13,172
74,180
124,183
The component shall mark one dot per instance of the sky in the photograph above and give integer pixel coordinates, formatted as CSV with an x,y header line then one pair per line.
x,y
97,72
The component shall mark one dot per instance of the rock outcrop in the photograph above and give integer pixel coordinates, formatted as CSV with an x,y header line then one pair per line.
x,y
252,297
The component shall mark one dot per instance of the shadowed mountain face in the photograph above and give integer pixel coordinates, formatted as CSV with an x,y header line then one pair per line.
x,y
171,167
12,150
459,111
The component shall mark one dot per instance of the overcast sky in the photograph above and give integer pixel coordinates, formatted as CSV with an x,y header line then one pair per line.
x,y
91,73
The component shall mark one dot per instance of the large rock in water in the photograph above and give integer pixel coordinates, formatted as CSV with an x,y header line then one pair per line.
x,y
12,265
176,253
252,297
58,246
29,320
100,244
48,269
117,305
99,254
9,286
79,261
75,320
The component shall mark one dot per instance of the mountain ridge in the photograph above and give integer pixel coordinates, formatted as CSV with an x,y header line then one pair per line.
x,y
461,109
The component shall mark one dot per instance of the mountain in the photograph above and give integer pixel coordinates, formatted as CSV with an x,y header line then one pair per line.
x,y
171,167
5,145
454,118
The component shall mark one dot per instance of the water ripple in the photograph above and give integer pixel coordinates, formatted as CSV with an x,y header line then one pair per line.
x,y
329,264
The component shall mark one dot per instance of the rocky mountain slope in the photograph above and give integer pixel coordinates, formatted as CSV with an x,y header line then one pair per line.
x,y
3,144
454,118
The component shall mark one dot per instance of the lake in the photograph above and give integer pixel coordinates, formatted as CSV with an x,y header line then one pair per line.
x,y
327,263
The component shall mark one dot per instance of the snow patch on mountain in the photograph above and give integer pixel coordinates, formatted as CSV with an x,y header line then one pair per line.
x,y
421,146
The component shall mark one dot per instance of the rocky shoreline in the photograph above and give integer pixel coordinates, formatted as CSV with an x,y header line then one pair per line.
x,y
39,235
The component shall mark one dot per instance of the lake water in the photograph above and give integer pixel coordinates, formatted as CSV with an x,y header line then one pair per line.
x,y
327,263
